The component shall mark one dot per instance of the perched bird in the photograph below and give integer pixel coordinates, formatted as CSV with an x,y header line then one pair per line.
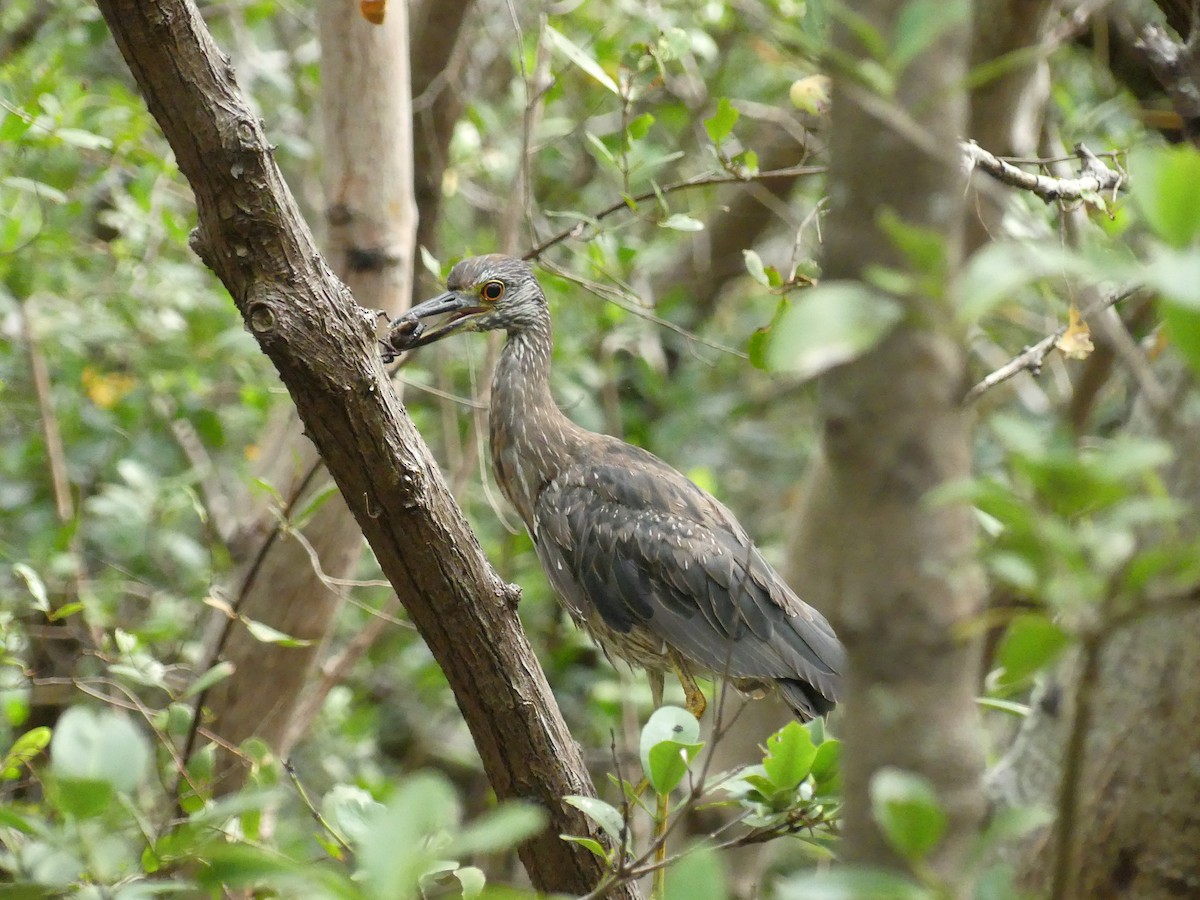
x,y
655,569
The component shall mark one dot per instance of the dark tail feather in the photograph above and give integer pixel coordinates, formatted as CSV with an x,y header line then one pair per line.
x,y
805,700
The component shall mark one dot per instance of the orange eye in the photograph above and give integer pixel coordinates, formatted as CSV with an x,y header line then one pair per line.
x,y
492,291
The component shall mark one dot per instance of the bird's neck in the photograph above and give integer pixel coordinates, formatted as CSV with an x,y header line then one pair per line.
x,y
531,438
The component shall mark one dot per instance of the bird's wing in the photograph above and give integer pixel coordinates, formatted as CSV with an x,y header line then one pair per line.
x,y
627,535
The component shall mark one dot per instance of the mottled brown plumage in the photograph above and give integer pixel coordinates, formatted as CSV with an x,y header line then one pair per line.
x,y
659,572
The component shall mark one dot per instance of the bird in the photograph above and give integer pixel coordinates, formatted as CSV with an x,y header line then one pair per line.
x,y
654,568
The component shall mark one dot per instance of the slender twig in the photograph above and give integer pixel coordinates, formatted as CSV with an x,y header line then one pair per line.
x,y
577,230
252,574
1032,358
290,768
56,455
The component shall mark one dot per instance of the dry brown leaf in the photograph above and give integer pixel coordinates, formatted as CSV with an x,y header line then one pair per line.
x,y
1076,341
373,10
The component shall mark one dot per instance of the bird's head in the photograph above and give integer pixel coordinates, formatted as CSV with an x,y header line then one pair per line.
x,y
483,293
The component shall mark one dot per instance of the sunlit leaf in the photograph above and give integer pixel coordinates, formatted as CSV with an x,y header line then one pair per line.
x,y
754,265
100,745
680,222
669,741
580,58
720,124
33,581
268,635
607,816
217,673
790,755
24,750
811,94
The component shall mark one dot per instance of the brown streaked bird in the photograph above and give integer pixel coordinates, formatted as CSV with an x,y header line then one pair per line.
x,y
656,570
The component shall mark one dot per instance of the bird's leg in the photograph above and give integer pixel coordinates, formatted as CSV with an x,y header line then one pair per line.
x,y
693,696
657,680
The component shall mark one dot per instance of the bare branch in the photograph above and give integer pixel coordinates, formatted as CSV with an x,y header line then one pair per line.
x,y
577,230
1096,177
1032,358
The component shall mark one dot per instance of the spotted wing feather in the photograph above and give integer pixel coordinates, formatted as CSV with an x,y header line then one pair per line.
x,y
624,535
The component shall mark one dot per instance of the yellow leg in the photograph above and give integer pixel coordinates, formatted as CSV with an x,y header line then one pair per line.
x,y
693,696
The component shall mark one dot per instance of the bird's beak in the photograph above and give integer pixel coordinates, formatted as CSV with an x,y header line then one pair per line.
x,y
408,331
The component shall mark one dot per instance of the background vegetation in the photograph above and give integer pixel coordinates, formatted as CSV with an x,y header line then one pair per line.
x,y
140,468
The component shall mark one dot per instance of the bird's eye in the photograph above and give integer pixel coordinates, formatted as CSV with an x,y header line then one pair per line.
x,y
492,291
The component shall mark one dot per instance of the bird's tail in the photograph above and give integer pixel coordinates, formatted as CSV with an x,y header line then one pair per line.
x,y
805,700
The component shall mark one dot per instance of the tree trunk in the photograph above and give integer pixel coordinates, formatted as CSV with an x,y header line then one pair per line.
x,y
894,571
251,234
370,216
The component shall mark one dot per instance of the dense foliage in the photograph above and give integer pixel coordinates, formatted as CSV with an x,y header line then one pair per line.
x,y
133,404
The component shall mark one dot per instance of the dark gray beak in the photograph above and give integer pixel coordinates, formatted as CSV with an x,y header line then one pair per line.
x,y
408,331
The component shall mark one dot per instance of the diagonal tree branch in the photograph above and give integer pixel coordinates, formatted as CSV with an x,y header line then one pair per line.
x,y
251,234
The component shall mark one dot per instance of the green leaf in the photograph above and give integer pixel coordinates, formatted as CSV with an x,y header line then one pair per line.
x,y
999,270
845,883
831,324
99,745
754,265
500,829
601,149
236,865
1031,642
395,852
350,811
217,673
261,631
907,811
577,55
920,24
1165,187
84,798
826,765
699,875
790,755
23,751
37,587
720,124
1176,275
588,844
471,879
85,140
639,126
668,743
760,342
44,192
9,818
680,222
312,504
607,816
924,249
